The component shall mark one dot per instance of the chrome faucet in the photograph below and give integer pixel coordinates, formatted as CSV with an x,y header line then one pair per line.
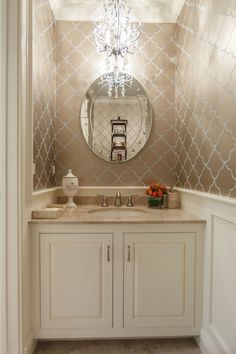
x,y
118,202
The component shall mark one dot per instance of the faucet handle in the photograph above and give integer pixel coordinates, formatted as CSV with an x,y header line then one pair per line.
x,y
130,200
104,200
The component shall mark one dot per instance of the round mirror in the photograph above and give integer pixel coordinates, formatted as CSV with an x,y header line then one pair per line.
x,y
116,125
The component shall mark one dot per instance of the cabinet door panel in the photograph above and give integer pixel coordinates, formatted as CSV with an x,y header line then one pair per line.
x,y
159,280
76,281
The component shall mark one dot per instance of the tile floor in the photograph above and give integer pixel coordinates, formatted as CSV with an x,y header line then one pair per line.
x,y
128,346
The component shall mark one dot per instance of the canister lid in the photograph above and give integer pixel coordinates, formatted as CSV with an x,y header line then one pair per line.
x,y
69,174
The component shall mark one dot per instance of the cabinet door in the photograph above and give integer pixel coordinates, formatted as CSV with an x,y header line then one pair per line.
x,y
159,279
76,280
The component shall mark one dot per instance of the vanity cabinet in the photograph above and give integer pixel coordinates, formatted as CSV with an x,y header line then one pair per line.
x,y
76,280
159,280
117,280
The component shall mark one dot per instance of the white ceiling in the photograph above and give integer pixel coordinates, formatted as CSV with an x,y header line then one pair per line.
x,y
158,11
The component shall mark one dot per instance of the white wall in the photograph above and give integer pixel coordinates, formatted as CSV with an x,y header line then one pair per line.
x,y
9,197
219,310
2,179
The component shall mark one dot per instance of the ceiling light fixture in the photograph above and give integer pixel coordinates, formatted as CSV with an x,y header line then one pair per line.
x,y
116,34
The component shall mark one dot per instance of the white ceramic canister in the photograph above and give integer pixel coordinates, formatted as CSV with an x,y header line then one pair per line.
x,y
70,181
70,184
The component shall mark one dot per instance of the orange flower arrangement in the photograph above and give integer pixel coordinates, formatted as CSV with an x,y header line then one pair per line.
x,y
156,190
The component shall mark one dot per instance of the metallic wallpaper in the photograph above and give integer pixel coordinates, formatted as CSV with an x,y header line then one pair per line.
x,y
206,96
44,94
78,65
189,72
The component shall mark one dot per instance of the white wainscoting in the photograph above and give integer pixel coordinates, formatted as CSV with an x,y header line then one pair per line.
x,y
219,309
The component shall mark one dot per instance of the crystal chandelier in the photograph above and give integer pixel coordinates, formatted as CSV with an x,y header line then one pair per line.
x,y
116,34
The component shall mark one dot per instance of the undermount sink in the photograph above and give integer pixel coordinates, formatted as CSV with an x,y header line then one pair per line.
x,y
118,212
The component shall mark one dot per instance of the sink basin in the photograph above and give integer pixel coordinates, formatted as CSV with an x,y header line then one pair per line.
x,y
118,212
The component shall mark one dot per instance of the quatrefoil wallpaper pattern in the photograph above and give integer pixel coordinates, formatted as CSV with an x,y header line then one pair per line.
x,y
189,72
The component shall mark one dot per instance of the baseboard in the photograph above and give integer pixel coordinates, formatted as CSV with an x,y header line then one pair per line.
x,y
30,344
211,343
205,343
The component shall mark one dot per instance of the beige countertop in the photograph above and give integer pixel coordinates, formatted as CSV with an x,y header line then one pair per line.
x,y
90,214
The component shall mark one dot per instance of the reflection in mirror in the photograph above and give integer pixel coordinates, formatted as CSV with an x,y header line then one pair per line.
x,y
115,128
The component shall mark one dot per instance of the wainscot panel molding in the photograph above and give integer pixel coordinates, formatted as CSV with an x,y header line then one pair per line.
x,y
219,264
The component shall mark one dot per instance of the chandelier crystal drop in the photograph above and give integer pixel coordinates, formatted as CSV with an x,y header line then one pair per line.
x,y
117,81
116,34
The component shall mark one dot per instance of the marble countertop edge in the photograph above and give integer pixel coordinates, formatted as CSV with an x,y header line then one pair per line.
x,y
82,215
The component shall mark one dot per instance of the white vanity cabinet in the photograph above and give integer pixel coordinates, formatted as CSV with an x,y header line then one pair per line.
x,y
117,280
159,280
75,280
